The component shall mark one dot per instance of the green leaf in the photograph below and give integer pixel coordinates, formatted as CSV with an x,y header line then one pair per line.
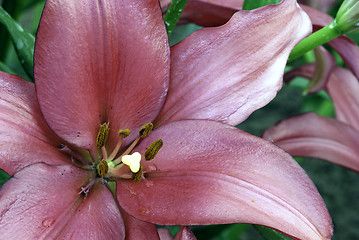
x,y
5,68
253,4
219,232
3,177
173,14
270,234
23,41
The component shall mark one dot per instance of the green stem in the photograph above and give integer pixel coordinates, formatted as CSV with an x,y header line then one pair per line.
x,y
316,39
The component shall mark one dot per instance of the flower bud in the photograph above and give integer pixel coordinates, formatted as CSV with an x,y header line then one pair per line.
x,y
347,18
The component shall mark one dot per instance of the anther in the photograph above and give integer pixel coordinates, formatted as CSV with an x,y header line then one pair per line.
x,y
153,149
136,177
102,168
133,161
124,133
146,129
102,135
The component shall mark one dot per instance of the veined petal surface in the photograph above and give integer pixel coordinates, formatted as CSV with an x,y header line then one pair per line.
x,y
210,13
226,73
343,87
212,173
25,136
100,61
43,202
311,135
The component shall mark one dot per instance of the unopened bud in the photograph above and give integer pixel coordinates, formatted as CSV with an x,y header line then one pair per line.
x,y
347,18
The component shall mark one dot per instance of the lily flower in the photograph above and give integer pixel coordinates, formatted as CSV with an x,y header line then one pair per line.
x,y
103,72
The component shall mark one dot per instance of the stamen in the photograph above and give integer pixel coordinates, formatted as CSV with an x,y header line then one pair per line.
x,y
102,135
123,134
133,161
136,177
128,150
146,129
153,149
102,168
88,186
104,152
73,154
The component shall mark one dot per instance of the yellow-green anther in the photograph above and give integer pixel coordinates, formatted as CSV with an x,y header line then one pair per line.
x,y
146,129
124,133
102,168
153,149
136,177
102,135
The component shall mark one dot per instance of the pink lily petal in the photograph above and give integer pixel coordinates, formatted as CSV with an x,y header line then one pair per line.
x,y
306,71
318,73
343,87
325,64
322,5
211,173
349,51
185,233
96,63
226,73
210,13
137,229
164,234
317,17
43,202
25,136
311,135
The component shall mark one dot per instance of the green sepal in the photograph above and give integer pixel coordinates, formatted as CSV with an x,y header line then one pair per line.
x,y
251,4
112,187
173,14
23,41
270,234
3,177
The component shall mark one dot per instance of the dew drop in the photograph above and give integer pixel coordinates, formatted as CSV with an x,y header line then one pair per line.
x,y
151,168
144,210
48,222
148,183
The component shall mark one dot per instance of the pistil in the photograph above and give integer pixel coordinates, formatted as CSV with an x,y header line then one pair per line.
x,y
126,165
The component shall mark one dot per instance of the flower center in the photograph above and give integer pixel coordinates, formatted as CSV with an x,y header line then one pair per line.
x,y
125,165
117,164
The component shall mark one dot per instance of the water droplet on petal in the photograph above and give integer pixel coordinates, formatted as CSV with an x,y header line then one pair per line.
x,y
144,210
48,222
151,168
148,183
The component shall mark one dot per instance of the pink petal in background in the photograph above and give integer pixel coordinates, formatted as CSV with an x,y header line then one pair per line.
x,y
311,135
